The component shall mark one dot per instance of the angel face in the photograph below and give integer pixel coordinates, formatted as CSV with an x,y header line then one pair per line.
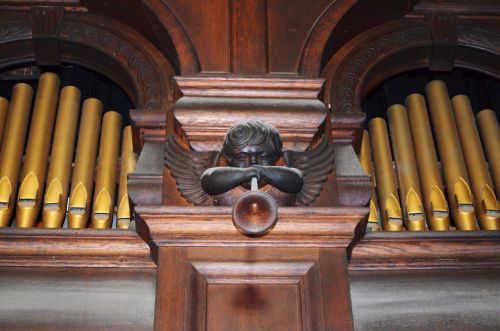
x,y
262,154
252,143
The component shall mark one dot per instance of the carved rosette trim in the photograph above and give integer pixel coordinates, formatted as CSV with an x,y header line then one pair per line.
x,y
140,67
14,30
345,89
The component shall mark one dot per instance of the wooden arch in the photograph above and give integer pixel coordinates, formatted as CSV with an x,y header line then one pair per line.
x,y
396,47
110,48
400,46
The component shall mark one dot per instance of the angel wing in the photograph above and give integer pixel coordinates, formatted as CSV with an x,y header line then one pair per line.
x,y
187,166
316,165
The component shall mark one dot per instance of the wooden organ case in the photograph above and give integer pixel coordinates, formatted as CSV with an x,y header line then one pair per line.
x,y
192,71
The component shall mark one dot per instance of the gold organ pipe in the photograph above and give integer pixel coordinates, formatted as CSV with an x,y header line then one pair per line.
x,y
365,159
392,218
4,110
85,159
406,168
12,148
105,186
482,185
435,204
128,161
56,192
455,173
490,136
37,151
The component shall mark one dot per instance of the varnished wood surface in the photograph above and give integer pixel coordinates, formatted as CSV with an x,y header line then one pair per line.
x,y
427,250
71,248
252,288
77,299
426,300
213,226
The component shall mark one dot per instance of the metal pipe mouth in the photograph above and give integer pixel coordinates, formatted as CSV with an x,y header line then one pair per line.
x,y
26,203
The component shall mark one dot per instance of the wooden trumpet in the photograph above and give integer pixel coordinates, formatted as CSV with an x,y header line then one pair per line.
x,y
409,185
37,151
12,149
435,204
482,185
83,174
392,217
455,173
56,193
255,213
105,186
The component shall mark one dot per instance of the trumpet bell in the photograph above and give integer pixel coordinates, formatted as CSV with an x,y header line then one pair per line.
x,y
255,213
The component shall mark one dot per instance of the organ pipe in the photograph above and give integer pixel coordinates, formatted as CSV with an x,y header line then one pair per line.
x,y
128,161
409,185
85,160
435,204
455,173
482,185
58,178
12,148
490,136
37,151
367,165
392,217
105,186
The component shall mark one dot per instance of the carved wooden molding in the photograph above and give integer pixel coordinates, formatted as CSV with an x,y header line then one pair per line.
x,y
242,87
144,71
210,105
110,48
68,5
474,36
73,248
17,27
350,73
377,54
427,250
149,73
470,8
213,226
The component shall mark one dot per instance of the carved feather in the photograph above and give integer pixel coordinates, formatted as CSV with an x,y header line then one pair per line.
x,y
316,165
187,166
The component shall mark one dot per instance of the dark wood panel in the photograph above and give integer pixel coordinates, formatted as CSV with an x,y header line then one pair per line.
x,y
208,28
289,24
426,300
76,299
253,307
252,288
248,37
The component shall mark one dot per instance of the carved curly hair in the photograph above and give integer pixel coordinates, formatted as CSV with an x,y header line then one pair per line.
x,y
250,133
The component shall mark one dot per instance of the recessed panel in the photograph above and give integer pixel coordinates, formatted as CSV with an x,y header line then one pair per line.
x,y
253,307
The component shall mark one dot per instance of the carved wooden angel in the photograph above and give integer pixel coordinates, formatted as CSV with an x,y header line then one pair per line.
x,y
251,149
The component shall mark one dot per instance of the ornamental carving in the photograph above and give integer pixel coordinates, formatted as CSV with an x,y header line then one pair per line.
x,y
140,67
358,64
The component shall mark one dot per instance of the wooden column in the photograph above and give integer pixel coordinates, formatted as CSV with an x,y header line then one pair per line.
x,y
212,277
